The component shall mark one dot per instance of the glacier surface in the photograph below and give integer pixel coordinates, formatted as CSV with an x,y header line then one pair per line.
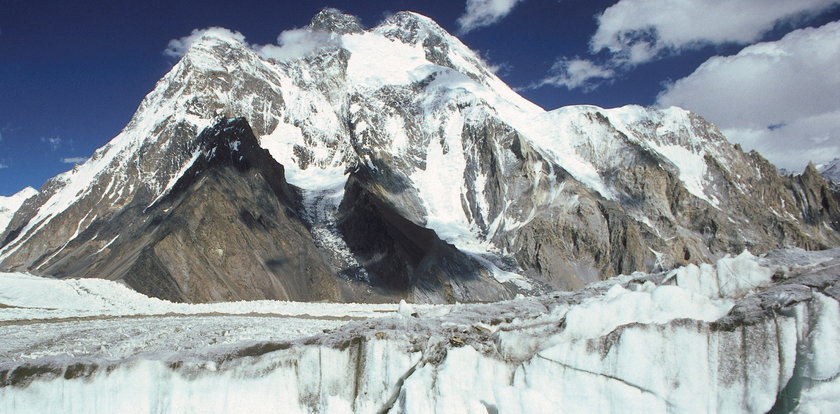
x,y
746,334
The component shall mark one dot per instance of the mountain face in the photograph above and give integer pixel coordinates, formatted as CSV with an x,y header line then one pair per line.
x,y
226,230
391,162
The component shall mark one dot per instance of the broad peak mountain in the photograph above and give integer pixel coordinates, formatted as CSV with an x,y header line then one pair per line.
x,y
333,20
474,192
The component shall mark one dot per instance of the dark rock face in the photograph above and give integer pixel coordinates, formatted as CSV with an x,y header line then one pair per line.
x,y
402,257
816,198
333,20
228,230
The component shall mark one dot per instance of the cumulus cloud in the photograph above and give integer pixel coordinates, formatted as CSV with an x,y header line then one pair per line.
x,y
482,13
636,31
297,43
632,32
54,142
178,47
780,98
3,165
576,73
74,160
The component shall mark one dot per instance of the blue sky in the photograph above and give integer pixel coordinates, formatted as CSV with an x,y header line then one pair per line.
x,y
72,73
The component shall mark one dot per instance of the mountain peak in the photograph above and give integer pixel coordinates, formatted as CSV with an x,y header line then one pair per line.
x,y
215,43
334,20
219,51
410,27
407,18
212,37
231,142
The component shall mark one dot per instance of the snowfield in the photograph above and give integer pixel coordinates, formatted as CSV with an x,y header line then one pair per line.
x,y
747,334
33,297
9,205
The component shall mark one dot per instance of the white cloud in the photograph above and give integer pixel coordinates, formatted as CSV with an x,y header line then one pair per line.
x,y
55,142
780,98
178,47
291,44
74,160
499,69
297,43
636,31
482,13
576,73
3,165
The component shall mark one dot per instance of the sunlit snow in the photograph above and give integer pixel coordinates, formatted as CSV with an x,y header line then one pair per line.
x,y
10,205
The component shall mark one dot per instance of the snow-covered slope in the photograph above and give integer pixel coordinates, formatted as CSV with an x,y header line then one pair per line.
x,y
10,205
422,135
747,334
28,297
830,170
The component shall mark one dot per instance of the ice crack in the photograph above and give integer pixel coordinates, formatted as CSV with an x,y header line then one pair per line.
x,y
610,377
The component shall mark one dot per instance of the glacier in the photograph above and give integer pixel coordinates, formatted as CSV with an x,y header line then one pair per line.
x,y
746,334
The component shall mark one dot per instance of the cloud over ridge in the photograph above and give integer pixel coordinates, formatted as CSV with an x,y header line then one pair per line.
x,y
178,47
297,43
776,97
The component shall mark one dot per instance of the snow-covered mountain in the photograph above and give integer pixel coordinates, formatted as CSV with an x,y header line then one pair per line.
x,y
391,162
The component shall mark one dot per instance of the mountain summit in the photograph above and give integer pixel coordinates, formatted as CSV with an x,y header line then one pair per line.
x,y
382,163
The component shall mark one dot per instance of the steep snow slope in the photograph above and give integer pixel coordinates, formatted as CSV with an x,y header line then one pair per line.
x,y
748,334
427,135
10,205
